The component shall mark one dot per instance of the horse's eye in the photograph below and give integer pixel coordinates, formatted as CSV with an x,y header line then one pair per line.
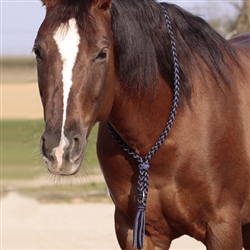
x,y
37,53
102,55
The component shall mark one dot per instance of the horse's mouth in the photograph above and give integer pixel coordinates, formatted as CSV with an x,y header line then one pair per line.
x,y
63,165
66,168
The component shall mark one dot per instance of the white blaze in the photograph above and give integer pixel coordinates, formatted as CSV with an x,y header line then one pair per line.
x,y
67,39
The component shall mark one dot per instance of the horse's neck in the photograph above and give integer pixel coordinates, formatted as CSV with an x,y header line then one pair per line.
x,y
140,121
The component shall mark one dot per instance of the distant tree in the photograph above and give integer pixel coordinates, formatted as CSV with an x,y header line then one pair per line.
x,y
223,15
243,21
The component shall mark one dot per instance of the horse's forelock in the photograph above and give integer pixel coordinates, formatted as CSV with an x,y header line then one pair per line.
x,y
61,11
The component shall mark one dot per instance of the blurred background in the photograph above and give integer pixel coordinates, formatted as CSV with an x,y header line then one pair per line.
x,y
27,190
21,110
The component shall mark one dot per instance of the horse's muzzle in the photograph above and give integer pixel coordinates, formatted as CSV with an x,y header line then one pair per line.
x,y
63,156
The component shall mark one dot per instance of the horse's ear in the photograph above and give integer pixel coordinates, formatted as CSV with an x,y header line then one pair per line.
x,y
103,4
49,3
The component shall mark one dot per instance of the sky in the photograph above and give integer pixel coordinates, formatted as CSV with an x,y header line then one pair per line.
x,y
21,19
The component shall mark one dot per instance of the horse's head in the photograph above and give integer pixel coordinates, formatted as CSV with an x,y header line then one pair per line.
x,y
74,51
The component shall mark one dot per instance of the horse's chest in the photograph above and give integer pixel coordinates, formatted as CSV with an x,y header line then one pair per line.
x,y
167,213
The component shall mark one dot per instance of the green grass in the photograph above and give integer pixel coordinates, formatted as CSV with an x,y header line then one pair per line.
x,y
20,157
66,188
18,70
86,192
20,62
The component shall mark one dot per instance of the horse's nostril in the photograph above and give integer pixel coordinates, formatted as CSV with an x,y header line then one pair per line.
x,y
76,143
76,148
43,147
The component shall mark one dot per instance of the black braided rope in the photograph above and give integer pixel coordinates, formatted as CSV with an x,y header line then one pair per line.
x,y
176,90
144,164
123,145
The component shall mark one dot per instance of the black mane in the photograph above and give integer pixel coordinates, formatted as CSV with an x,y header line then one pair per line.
x,y
143,48
142,44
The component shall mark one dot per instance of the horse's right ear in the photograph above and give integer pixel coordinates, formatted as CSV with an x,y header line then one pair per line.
x,y
103,4
49,3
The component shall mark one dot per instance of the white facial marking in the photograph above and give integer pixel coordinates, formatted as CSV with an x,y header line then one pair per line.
x,y
59,151
67,39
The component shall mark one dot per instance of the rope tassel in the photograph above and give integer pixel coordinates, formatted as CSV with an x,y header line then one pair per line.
x,y
139,229
139,222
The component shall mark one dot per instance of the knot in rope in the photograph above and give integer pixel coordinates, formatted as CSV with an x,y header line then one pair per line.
x,y
143,166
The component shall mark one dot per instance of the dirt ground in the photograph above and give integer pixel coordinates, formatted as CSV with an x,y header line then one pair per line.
x,y
28,224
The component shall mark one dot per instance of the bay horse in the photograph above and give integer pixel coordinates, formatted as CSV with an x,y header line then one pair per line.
x,y
112,60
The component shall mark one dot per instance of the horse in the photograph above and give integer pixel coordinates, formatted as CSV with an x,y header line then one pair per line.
x,y
118,61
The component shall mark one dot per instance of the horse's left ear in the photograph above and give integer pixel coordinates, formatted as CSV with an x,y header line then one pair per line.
x,y
49,3
103,4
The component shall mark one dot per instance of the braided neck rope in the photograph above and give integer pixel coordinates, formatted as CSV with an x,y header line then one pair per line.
x,y
139,222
